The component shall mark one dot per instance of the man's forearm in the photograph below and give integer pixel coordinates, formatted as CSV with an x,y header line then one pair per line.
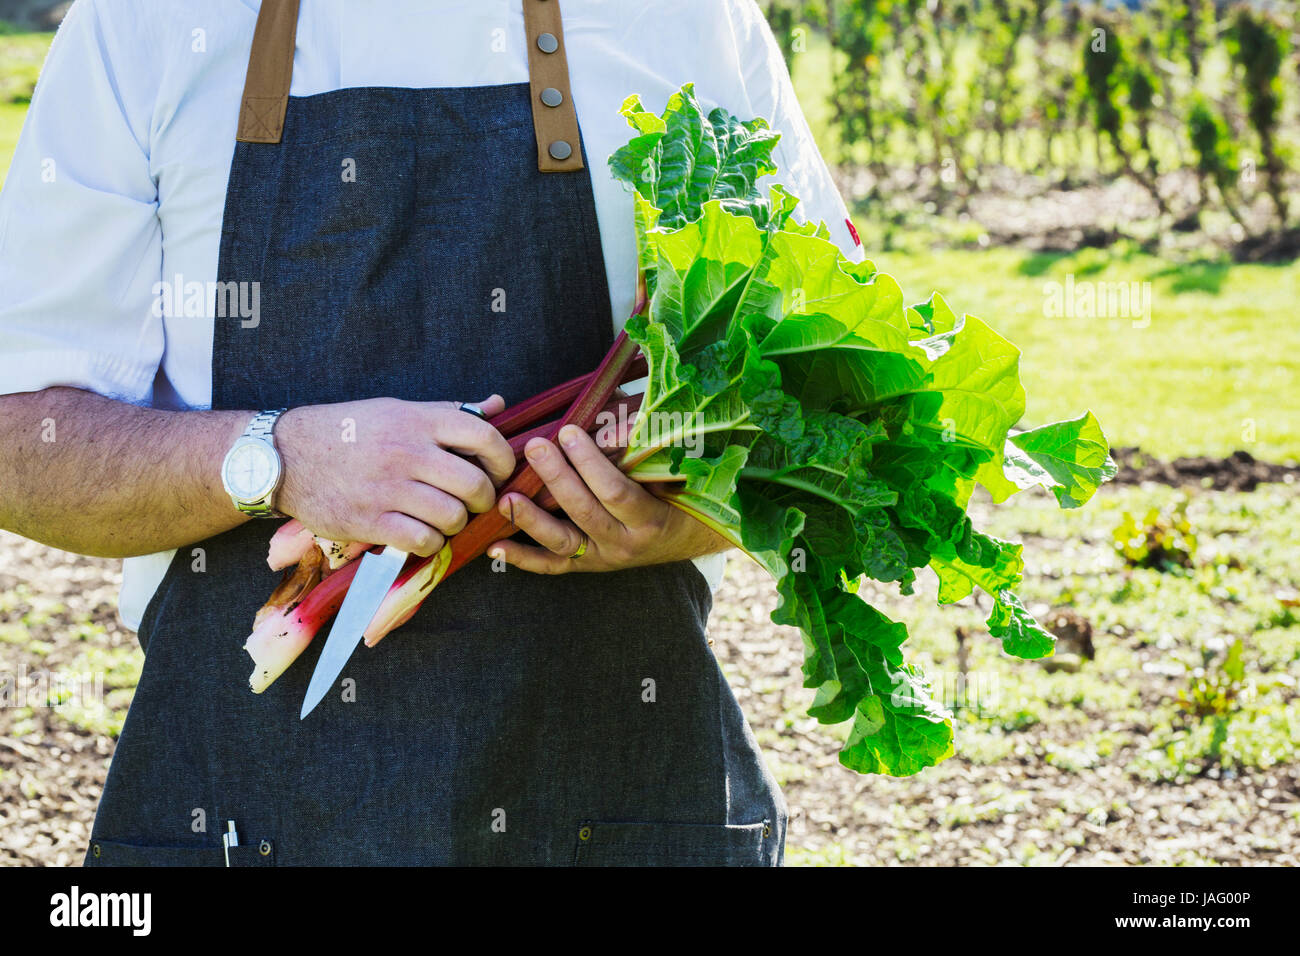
x,y
96,476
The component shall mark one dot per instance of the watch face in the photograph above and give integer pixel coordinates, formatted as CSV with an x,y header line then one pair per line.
x,y
251,471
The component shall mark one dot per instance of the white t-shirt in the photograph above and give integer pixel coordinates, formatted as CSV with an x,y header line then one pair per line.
x,y
119,178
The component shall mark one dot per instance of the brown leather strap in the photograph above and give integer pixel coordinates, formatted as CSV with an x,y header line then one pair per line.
x,y
555,121
270,69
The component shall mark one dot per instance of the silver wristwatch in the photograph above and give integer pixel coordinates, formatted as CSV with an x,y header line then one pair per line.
x,y
252,469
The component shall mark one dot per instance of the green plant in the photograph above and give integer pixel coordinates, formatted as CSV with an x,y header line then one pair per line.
x,y
1141,99
1223,721
1104,68
1215,692
860,32
1163,540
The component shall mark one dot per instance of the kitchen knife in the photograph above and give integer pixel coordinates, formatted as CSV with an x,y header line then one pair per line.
x,y
366,592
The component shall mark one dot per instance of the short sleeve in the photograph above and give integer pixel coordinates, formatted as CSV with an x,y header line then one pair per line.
x,y
80,241
770,92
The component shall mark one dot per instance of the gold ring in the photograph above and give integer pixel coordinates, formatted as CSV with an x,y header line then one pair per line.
x,y
582,549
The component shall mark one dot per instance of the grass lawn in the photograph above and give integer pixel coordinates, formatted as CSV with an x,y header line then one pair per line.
x,y
1125,758
1216,369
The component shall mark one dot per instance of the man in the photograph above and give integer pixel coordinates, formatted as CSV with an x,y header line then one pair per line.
x,y
413,216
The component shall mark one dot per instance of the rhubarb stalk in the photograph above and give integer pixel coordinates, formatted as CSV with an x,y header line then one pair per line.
x,y
278,639
516,418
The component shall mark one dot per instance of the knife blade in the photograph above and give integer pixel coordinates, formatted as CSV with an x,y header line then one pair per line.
x,y
366,592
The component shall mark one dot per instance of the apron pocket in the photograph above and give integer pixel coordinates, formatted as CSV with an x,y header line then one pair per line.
x,y
112,853
676,844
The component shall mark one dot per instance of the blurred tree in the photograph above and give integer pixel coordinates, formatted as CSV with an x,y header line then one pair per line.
x,y
859,30
1216,157
1257,42
1104,69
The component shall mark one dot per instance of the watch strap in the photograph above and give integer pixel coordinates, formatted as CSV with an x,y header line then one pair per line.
x,y
263,424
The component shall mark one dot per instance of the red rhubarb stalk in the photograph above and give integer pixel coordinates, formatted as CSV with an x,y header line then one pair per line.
x,y
621,406
300,606
279,638
486,529
404,596
516,418
339,553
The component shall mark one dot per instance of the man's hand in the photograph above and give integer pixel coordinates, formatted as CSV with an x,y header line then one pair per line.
x,y
98,476
626,526
409,478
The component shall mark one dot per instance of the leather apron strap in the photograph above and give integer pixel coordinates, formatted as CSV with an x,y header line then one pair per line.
x,y
270,69
555,121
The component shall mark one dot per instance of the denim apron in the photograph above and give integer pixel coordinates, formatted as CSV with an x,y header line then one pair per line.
x,y
517,718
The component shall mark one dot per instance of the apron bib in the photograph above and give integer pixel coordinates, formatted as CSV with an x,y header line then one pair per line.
x,y
517,718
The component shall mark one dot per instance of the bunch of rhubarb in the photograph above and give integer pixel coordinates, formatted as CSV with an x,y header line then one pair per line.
x,y
319,570
798,408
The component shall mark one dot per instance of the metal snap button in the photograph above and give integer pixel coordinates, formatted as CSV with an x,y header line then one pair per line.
x,y
584,834
264,848
95,849
560,150
552,97
767,830
547,43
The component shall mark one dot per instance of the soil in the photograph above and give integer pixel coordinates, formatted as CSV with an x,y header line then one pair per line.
x,y
52,774
1033,212
1240,471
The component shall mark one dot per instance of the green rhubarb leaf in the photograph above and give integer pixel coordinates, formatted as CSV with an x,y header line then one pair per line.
x,y
783,204
898,728
702,272
1020,633
685,158
974,395
769,531
795,405
676,411
825,361
935,317
801,607
1071,458
996,568
814,277
709,491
